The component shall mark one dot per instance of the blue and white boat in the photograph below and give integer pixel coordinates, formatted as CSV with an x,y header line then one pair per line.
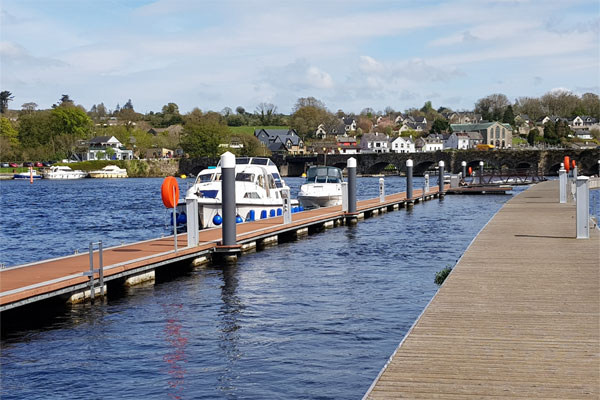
x,y
258,187
28,175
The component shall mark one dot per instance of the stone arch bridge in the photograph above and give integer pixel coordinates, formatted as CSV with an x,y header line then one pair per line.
x,y
545,162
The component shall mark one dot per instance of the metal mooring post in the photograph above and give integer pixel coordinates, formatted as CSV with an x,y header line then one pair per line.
x,y
441,177
583,207
464,170
228,198
381,190
351,166
191,213
481,172
409,179
562,183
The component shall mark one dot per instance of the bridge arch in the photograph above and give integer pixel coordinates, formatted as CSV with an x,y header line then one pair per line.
x,y
378,167
420,167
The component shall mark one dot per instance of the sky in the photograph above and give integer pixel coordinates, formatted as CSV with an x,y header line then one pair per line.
x,y
349,54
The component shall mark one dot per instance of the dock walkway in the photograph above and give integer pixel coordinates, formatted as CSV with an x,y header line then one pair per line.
x,y
519,316
65,276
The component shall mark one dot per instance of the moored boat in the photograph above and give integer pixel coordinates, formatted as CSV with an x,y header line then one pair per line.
x,y
323,187
110,171
258,187
27,175
63,172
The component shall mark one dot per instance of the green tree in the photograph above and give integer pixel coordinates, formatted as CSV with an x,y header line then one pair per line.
x,y
440,125
5,97
35,128
509,115
8,132
550,136
202,138
492,107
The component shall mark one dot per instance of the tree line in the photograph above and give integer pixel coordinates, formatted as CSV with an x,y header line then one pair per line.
x,y
56,133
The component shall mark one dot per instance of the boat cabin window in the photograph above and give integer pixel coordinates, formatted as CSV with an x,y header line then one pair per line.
x,y
251,195
205,178
271,182
244,177
324,175
260,161
277,180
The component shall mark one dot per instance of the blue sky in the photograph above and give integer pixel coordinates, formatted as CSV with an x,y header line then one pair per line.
x,y
348,54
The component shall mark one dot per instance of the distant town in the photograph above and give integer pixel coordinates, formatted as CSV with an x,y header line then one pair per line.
x,y
67,131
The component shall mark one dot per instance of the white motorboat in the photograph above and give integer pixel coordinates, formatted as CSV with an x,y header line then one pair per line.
x,y
258,187
63,172
110,171
323,187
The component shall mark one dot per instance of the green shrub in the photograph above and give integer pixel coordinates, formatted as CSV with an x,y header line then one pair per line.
x,y
440,276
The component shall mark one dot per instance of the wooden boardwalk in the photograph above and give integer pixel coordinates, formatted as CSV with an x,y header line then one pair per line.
x,y
65,276
519,317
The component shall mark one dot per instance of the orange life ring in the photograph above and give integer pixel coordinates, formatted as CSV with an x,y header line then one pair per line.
x,y
573,164
166,191
567,163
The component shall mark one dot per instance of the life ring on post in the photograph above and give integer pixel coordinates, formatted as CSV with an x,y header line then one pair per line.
x,y
567,163
166,192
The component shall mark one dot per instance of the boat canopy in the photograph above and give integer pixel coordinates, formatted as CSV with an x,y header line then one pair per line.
x,y
251,160
324,175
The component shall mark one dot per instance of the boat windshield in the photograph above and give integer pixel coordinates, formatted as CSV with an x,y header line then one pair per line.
x,y
202,178
324,175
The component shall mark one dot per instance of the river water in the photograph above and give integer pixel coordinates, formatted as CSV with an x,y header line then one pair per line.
x,y
316,318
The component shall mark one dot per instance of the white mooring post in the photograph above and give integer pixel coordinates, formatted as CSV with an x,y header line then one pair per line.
x,y
583,207
344,196
381,190
464,170
426,183
191,213
562,183
481,172
287,206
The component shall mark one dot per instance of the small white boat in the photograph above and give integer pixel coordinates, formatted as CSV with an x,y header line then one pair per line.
x,y
323,188
110,171
63,172
27,175
258,187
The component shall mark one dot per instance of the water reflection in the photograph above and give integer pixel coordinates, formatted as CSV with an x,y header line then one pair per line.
x,y
176,358
229,326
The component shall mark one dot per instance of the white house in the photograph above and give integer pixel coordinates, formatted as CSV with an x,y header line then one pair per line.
x,y
107,148
402,145
375,143
429,143
458,140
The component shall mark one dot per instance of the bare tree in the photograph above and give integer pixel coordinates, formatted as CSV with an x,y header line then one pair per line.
x,y
266,113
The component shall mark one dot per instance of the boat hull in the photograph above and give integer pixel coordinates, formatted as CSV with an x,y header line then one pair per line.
x,y
308,201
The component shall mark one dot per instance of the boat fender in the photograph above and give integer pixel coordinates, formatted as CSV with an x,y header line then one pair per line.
x,y
251,215
181,219
166,192
263,214
217,220
238,219
300,208
271,213
279,212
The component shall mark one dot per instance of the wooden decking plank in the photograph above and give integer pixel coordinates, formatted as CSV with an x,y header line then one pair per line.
x,y
518,317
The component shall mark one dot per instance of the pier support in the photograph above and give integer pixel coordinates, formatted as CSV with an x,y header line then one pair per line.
x,y
191,213
409,181
140,278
